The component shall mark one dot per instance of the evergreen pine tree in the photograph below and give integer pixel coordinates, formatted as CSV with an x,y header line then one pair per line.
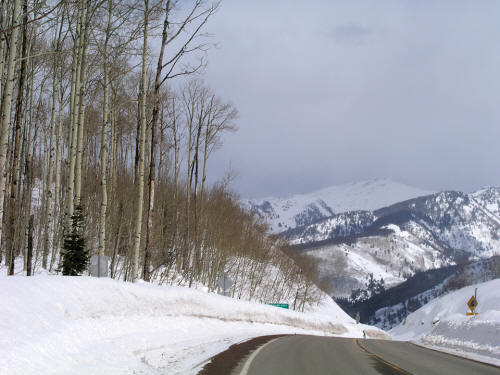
x,y
75,258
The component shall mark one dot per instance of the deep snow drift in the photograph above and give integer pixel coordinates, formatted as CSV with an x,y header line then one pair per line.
x,y
442,323
82,325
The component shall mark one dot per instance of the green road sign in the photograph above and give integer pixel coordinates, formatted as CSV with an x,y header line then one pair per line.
x,y
282,305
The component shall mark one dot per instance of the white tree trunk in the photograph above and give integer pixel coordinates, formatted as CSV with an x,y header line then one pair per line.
x,y
49,199
74,105
81,105
142,142
6,105
104,144
3,25
57,188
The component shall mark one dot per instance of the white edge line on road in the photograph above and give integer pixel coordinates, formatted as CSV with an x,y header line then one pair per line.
x,y
250,359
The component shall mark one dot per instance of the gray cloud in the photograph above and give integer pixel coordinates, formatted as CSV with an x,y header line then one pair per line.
x,y
350,33
416,102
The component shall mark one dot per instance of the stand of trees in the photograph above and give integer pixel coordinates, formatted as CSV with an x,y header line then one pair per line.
x,y
103,111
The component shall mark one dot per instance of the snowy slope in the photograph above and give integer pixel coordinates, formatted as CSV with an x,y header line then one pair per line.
x,y
392,257
303,209
394,242
424,287
489,198
449,219
442,323
81,325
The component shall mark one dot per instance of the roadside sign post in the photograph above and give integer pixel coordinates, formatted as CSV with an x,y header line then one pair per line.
x,y
224,282
99,265
472,304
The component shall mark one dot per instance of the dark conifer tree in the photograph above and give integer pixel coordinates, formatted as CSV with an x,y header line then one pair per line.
x,y
75,257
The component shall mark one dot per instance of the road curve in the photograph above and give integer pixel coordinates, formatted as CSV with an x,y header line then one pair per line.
x,y
314,355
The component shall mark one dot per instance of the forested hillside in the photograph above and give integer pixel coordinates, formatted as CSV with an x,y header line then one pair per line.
x,y
107,129
393,243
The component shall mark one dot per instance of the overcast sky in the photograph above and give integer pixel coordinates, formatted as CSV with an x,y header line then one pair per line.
x,y
331,92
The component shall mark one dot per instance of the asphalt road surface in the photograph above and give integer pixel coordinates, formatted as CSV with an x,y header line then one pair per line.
x,y
313,355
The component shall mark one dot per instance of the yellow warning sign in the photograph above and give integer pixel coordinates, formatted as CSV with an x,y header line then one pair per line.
x,y
472,306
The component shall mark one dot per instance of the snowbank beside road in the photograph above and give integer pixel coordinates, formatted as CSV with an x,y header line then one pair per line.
x,y
442,324
82,325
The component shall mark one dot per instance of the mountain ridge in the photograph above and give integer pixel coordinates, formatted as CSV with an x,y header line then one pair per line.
x,y
395,242
303,209
392,243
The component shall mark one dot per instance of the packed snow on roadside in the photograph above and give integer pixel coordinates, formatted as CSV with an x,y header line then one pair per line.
x,y
82,325
443,325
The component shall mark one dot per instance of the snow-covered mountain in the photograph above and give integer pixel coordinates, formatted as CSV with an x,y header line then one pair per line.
x,y
303,209
394,242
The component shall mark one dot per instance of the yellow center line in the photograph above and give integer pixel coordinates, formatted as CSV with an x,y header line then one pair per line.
x,y
380,359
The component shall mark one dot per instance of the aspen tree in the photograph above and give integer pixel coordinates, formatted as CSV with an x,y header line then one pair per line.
x,y
6,105
81,102
220,119
201,119
114,142
74,105
29,153
50,198
141,151
17,135
176,145
3,25
58,208
189,100
57,185
104,146
152,165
